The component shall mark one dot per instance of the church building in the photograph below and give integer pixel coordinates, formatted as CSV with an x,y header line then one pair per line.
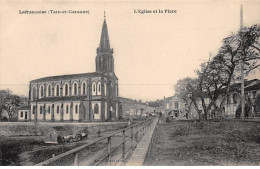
x,y
77,97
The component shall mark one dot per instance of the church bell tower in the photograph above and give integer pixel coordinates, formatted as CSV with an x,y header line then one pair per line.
x,y
104,58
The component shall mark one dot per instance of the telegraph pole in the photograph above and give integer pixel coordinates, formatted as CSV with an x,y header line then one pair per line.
x,y
242,71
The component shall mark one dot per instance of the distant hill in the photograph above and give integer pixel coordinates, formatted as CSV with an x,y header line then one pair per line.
x,y
133,106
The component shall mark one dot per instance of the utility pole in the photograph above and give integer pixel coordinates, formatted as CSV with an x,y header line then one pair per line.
x,y
35,120
242,71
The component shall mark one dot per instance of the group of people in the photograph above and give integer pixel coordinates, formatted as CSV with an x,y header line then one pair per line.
x,y
247,109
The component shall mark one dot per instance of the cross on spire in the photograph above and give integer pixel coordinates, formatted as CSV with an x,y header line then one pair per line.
x,y
105,15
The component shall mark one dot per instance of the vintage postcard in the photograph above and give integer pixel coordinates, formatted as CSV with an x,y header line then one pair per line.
x,y
129,83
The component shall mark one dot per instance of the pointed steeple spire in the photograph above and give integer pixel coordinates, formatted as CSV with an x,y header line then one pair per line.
x,y
104,58
104,40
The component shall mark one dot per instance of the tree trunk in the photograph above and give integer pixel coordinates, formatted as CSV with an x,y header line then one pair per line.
x,y
189,106
196,107
10,116
204,108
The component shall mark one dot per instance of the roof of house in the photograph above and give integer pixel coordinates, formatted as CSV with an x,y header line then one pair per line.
x,y
170,98
24,107
249,85
255,85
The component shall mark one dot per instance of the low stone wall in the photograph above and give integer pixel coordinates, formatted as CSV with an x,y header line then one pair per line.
x,y
28,128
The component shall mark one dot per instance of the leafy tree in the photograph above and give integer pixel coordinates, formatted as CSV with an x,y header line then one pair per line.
x,y
9,103
216,75
212,80
3,94
242,47
187,90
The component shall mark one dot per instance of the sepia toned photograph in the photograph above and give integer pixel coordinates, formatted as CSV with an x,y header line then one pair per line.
x,y
129,83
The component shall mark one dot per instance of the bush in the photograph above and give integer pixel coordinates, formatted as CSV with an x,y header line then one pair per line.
x,y
4,119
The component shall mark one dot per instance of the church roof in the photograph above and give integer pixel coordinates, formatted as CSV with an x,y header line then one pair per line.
x,y
65,98
66,77
74,76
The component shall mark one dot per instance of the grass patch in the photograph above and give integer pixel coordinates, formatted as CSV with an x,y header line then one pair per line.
x,y
10,150
205,143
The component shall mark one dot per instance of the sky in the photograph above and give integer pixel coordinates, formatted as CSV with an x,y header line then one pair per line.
x,y
152,51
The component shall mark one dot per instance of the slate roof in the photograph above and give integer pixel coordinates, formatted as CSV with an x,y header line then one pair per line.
x,y
73,76
66,98
66,77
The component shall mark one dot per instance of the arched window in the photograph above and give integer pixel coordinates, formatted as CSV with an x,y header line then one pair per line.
x,y
111,88
66,90
75,88
34,93
84,88
96,109
49,90
58,109
98,88
67,109
94,88
21,114
57,90
41,91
